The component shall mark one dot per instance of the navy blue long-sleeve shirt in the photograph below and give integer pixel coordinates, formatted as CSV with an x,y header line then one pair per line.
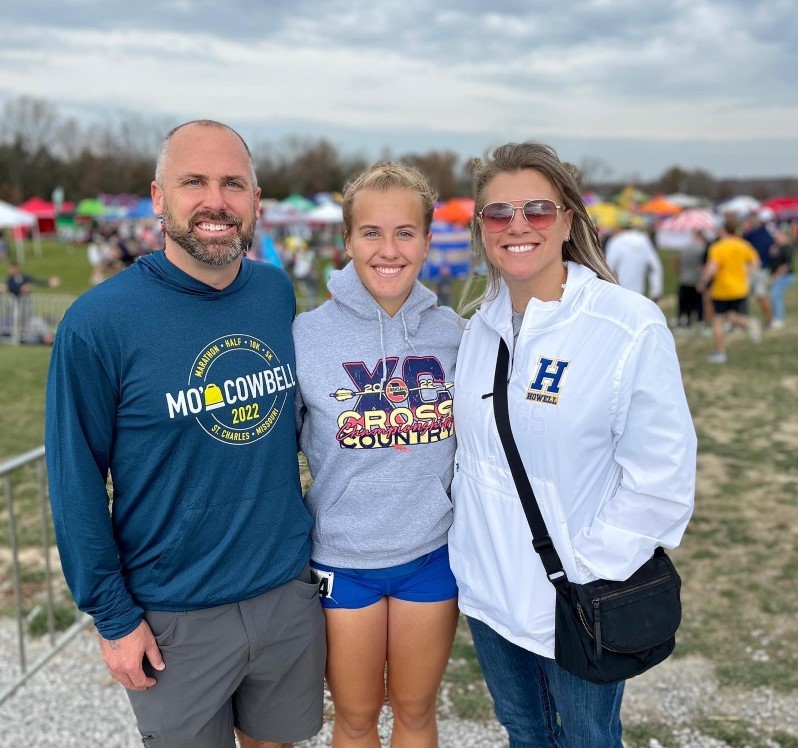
x,y
185,394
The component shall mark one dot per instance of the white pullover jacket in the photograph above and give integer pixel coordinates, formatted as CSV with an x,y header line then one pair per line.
x,y
598,412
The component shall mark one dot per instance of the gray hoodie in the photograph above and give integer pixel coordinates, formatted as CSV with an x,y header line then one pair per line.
x,y
374,404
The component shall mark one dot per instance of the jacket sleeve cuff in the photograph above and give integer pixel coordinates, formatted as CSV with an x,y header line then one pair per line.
x,y
607,552
119,626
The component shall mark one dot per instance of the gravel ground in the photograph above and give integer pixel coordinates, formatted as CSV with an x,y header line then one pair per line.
x,y
74,702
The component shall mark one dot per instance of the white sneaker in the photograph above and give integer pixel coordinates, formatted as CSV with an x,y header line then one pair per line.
x,y
716,358
754,330
777,324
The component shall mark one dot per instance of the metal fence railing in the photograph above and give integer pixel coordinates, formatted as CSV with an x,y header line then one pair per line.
x,y
308,300
27,504
31,318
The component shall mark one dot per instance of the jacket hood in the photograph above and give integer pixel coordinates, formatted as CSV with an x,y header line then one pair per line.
x,y
168,273
497,312
348,290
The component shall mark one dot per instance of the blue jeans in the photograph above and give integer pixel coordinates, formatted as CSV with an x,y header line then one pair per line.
x,y
777,289
540,704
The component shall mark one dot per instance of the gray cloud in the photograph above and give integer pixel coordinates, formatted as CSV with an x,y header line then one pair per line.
x,y
243,20
681,70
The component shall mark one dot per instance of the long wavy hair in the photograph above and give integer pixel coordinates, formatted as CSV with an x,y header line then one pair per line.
x,y
583,246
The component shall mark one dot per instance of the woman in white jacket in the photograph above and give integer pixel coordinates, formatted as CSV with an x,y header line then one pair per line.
x,y
598,411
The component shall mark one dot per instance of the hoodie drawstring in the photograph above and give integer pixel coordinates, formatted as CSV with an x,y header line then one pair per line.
x,y
382,350
382,346
407,336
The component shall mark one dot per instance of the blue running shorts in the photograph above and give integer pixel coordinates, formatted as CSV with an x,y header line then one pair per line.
x,y
427,579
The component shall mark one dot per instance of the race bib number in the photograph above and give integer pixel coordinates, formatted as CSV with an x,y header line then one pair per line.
x,y
325,580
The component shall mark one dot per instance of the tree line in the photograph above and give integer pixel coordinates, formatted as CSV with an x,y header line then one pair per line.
x,y
41,149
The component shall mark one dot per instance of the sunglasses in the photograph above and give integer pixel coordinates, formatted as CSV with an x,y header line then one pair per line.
x,y
539,214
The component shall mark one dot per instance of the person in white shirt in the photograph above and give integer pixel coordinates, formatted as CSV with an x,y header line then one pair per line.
x,y
598,411
633,258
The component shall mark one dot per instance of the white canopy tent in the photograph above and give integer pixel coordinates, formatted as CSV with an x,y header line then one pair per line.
x,y
686,201
741,206
12,218
275,214
328,213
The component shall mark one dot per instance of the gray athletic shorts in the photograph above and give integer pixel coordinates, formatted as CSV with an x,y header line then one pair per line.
x,y
257,665
760,282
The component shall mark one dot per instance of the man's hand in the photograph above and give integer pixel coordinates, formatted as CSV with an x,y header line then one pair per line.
x,y
124,657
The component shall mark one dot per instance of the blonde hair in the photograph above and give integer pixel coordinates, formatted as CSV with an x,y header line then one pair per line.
x,y
384,176
583,246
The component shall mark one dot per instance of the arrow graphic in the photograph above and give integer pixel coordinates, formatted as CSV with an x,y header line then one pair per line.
x,y
344,394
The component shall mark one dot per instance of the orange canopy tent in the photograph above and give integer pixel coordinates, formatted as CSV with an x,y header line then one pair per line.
x,y
660,206
457,210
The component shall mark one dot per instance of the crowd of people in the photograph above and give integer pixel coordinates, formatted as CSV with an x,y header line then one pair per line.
x,y
720,275
112,249
310,257
223,595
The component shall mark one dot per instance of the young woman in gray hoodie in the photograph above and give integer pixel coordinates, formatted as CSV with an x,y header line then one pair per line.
x,y
375,368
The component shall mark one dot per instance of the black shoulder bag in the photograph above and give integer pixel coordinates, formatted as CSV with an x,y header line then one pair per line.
x,y
604,631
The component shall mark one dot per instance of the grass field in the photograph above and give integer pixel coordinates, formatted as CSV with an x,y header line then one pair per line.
x,y
69,263
738,559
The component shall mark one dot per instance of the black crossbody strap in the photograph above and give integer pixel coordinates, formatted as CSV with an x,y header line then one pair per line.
x,y
541,541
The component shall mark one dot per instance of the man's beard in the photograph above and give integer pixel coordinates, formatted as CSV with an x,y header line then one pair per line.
x,y
209,250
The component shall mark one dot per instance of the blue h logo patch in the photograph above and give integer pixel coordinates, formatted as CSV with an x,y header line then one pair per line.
x,y
545,387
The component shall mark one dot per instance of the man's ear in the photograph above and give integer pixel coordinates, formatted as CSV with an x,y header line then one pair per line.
x,y
157,198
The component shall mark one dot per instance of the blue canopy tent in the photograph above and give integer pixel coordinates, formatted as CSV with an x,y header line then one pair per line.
x,y
450,247
143,209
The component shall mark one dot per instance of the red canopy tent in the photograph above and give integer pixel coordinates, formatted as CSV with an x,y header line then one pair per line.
x,y
782,207
45,213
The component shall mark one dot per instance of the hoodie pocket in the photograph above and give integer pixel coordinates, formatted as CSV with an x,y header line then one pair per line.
x,y
389,517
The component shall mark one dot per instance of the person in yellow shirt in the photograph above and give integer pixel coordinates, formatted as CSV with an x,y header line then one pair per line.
x,y
730,262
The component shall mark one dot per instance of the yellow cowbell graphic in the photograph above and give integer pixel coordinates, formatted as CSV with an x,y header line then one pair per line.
x,y
213,397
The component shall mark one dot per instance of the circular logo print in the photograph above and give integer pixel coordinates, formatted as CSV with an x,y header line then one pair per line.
x,y
396,390
237,389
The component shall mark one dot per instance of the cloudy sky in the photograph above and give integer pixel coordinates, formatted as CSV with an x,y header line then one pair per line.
x,y
638,86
